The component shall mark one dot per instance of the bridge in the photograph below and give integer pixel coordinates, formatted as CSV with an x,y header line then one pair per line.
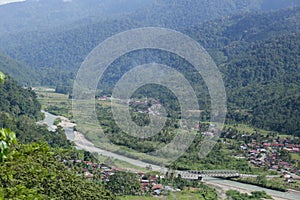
x,y
197,175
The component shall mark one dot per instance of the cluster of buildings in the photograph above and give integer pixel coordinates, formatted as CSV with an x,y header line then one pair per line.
x,y
146,105
273,155
96,171
91,170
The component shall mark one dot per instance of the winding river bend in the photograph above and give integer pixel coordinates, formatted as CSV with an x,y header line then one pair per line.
x,y
82,143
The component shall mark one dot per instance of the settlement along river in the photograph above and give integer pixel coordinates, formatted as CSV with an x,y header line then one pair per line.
x,y
221,184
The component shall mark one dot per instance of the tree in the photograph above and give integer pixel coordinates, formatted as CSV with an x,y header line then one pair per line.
x,y
2,77
261,179
124,183
7,138
34,172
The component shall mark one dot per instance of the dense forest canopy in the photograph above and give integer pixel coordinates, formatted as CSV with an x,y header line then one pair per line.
x,y
254,51
20,110
22,159
255,44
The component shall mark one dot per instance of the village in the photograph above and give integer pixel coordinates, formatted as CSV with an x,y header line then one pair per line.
x,y
277,154
149,183
272,153
144,105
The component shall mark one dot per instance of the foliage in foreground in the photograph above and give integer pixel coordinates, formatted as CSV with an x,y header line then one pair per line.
x,y
7,138
33,172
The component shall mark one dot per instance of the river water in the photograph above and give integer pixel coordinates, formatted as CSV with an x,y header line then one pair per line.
x,y
85,144
49,120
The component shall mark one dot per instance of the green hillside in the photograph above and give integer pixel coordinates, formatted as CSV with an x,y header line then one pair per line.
x,y
264,82
31,168
24,74
258,54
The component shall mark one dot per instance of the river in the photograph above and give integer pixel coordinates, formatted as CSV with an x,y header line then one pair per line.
x,y
82,143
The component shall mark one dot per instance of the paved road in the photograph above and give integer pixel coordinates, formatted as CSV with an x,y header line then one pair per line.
x,y
246,187
82,143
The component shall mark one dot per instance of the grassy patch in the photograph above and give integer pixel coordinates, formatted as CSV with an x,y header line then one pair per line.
x,y
138,198
246,128
183,195
295,156
58,104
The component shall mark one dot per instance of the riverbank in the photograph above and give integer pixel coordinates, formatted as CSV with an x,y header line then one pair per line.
x,y
220,184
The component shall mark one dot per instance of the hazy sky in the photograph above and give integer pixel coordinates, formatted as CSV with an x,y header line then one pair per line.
x,y
9,1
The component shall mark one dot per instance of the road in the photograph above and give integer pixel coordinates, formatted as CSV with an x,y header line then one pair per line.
x,y
221,184
82,143
246,188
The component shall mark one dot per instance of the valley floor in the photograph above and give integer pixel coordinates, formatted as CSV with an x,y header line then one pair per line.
x,y
221,185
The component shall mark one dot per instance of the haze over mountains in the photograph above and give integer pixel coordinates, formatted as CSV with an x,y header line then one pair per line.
x,y
254,42
34,15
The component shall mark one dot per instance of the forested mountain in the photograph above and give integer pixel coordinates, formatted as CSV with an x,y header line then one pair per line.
x,y
178,13
19,111
56,55
18,101
23,72
264,81
24,159
33,15
241,30
257,52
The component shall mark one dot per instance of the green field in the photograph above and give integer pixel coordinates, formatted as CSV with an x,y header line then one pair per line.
x,y
183,195
58,104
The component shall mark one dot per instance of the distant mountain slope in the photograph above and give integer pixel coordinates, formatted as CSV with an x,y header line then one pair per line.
x,y
184,13
258,54
21,72
263,84
33,15
64,50
246,28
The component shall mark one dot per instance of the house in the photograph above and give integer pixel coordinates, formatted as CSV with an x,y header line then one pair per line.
x,y
267,144
157,189
277,145
243,147
88,175
275,167
283,163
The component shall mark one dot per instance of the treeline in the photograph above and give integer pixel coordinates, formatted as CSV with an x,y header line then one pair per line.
x,y
34,171
263,86
257,54
257,195
31,166
20,110
22,72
